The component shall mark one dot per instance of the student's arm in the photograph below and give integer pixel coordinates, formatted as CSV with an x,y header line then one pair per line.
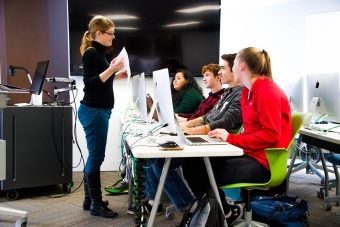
x,y
193,123
190,101
199,130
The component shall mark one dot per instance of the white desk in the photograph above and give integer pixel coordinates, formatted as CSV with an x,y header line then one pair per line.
x,y
205,151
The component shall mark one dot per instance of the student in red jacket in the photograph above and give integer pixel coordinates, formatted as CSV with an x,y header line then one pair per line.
x,y
266,118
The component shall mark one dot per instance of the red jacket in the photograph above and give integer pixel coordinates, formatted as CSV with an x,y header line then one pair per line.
x,y
266,116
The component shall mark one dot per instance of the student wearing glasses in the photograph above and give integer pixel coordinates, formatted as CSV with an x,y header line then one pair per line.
x,y
95,108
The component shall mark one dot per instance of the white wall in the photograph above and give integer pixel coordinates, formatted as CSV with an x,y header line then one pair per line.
x,y
280,29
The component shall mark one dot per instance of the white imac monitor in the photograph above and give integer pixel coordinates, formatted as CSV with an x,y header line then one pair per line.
x,y
294,92
326,86
141,91
163,98
139,95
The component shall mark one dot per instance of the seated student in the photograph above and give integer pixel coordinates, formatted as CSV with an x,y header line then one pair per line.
x,y
226,114
185,91
174,186
266,118
212,81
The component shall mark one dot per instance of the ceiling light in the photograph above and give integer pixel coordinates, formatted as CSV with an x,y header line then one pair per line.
x,y
198,9
246,4
182,24
120,17
125,28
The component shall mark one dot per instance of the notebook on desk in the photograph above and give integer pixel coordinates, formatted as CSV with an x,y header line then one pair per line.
x,y
196,140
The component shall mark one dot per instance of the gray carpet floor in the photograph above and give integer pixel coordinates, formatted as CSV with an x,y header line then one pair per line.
x,y
49,206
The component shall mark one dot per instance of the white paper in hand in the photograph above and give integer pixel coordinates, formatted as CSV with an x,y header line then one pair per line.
x,y
123,54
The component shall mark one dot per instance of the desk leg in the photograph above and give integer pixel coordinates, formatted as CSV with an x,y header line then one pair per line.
x,y
325,173
159,191
212,180
291,165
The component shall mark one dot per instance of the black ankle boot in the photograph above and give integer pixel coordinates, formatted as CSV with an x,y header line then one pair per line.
x,y
97,208
87,199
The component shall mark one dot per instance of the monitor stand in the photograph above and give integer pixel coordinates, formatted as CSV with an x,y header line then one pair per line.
x,y
311,109
36,100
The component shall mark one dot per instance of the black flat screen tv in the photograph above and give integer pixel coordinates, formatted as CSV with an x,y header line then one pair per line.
x,y
149,39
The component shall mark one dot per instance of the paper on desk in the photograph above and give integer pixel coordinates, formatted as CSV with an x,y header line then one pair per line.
x,y
123,54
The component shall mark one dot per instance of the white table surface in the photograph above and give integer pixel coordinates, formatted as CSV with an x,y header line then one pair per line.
x,y
148,149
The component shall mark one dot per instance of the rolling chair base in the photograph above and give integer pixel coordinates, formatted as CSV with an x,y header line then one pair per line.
x,y
248,222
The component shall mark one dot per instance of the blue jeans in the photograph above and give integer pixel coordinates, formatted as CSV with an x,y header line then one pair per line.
x,y
174,186
95,122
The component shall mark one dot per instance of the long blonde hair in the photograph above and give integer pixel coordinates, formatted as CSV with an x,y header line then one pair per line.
x,y
258,61
97,23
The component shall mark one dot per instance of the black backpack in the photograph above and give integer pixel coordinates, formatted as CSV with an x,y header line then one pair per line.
x,y
207,213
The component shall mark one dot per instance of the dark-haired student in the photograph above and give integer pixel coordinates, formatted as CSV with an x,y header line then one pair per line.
x,y
266,118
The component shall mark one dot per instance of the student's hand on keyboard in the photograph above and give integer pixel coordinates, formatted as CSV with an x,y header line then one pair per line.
x,y
219,133
188,131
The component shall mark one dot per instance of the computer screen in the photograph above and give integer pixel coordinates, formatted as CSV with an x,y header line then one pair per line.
x,y
139,95
39,77
294,92
141,90
162,94
326,86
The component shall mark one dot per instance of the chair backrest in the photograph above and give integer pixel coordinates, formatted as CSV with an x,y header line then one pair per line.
x,y
277,157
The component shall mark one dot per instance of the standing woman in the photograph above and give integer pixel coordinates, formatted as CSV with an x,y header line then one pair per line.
x,y
95,108
186,93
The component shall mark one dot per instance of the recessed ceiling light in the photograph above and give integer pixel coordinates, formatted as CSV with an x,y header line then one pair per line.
x,y
182,24
125,28
198,9
120,17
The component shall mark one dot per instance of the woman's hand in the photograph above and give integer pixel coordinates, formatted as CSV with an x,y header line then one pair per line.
x,y
122,74
219,133
116,66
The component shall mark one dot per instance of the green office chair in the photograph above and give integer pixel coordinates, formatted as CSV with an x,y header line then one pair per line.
x,y
277,158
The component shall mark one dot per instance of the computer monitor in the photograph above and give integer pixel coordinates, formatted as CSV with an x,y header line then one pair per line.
x,y
139,95
141,90
326,86
39,77
163,98
294,92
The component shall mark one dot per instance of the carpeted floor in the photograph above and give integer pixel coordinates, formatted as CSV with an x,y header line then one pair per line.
x,y
48,207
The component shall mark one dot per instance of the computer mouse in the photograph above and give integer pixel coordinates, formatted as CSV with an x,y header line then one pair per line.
x,y
168,144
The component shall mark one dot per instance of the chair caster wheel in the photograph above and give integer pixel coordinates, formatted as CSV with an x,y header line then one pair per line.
x,y
170,216
12,194
67,188
326,206
320,194
22,222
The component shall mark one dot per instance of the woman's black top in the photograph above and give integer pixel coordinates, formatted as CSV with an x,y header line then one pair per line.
x,y
96,93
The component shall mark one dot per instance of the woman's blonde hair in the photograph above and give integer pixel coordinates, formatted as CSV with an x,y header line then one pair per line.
x,y
97,23
258,61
